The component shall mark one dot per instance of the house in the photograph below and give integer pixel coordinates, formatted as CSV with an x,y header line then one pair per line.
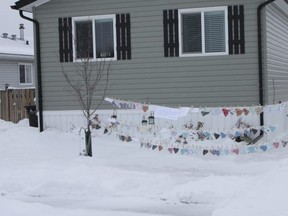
x,y
17,83
173,53
16,61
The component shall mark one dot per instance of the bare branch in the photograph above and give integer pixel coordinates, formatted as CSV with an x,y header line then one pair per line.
x,y
89,80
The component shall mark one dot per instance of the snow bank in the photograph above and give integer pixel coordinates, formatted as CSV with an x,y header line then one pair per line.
x,y
42,174
266,195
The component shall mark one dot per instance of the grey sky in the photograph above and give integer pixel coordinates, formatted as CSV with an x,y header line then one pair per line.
x,y
10,20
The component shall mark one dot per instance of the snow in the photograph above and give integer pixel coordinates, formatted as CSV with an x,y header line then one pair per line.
x,y
43,174
16,47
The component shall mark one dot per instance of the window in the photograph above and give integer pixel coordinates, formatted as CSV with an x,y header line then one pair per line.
x,y
95,37
203,31
84,39
25,73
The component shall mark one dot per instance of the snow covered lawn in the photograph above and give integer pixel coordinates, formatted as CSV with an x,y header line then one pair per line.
x,y
43,174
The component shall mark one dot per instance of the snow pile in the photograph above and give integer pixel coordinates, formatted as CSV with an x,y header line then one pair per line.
x,y
42,174
16,47
265,195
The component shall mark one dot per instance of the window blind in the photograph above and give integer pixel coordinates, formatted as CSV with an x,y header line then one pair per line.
x,y
28,75
191,33
25,72
84,39
104,38
22,73
214,31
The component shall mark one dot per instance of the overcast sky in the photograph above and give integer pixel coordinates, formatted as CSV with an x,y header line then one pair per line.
x,y
10,20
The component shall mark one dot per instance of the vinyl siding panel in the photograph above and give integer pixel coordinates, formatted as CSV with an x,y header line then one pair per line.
x,y
277,52
9,74
229,80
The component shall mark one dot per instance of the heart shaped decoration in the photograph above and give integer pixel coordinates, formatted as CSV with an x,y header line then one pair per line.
x,y
207,134
254,131
145,107
223,135
235,151
170,150
122,138
226,152
205,152
204,113
176,150
160,148
216,136
213,152
251,149
217,152
225,112
184,151
238,112
190,152
263,148
246,111
276,144
154,147
272,128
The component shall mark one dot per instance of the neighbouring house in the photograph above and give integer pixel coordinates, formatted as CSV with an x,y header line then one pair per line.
x,y
17,83
16,61
173,53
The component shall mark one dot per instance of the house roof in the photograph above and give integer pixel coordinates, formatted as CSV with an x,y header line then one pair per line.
x,y
16,48
28,5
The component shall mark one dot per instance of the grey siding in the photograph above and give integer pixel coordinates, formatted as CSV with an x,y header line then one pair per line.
x,y
9,73
199,81
277,52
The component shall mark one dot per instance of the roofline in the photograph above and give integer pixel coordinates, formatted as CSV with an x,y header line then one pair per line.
x,y
22,3
28,5
7,56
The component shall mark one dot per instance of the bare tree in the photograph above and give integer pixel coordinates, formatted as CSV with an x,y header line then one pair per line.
x,y
88,83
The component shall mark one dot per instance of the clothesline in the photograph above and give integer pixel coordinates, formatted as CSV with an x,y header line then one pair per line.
x,y
176,113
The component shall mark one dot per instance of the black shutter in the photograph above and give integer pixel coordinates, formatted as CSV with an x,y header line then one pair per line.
x,y
65,39
236,29
171,30
123,38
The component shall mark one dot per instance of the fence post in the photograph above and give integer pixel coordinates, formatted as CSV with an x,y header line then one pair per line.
x,y
7,105
1,105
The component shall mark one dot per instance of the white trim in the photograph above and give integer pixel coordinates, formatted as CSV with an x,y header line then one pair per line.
x,y
16,56
202,10
202,33
93,19
32,80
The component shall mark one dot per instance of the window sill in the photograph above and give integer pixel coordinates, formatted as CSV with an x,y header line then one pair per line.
x,y
25,84
203,54
94,60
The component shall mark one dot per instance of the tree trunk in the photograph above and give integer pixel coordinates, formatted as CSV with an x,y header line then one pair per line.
x,y
88,142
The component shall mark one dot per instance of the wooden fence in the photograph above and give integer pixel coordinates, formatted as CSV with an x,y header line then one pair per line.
x,y
13,102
